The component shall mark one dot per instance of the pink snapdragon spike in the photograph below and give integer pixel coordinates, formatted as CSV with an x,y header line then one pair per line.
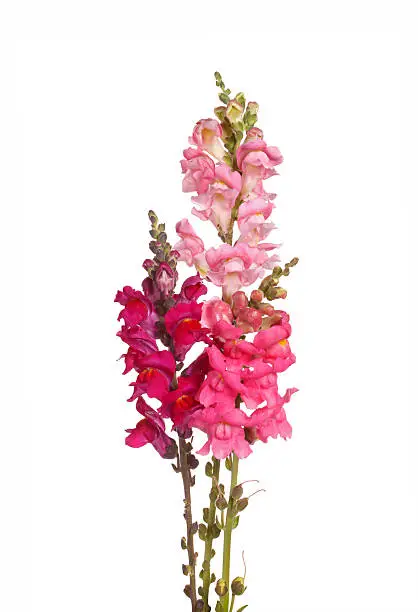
x,y
212,365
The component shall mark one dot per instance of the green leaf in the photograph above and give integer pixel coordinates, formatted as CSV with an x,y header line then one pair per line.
x,y
243,608
224,98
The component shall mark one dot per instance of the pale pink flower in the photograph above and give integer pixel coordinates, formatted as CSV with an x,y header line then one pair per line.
x,y
190,247
257,161
198,169
216,203
252,216
207,135
215,310
232,267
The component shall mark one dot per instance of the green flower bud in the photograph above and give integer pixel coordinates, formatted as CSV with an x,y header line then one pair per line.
x,y
237,492
220,112
221,503
221,588
234,111
238,586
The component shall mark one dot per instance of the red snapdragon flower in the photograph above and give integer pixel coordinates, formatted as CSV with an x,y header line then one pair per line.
x,y
156,373
151,430
183,324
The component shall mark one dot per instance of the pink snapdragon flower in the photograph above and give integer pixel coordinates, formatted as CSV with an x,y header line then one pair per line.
x,y
198,169
224,426
216,204
252,217
156,372
274,347
232,267
271,421
190,247
257,161
207,135
223,382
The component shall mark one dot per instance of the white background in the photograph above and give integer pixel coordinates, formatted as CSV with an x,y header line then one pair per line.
x,y
101,101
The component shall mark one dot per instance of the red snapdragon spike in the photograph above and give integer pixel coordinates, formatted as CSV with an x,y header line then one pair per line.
x,y
156,372
192,289
183,324
136,306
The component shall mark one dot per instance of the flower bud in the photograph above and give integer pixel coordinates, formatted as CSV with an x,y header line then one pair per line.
x,y
254,134
220,112
257,295
239,300
165,278
238,586
250,434
234,111
237,492
221,588
148,265
275,293
266,309
249,319
221,503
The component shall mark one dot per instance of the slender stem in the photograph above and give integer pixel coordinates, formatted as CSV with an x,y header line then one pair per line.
x,y
209,538
186,476
232,603
228,532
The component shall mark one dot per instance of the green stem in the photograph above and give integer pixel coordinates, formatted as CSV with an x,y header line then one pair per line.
x,y
226,565
209,538
232,603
